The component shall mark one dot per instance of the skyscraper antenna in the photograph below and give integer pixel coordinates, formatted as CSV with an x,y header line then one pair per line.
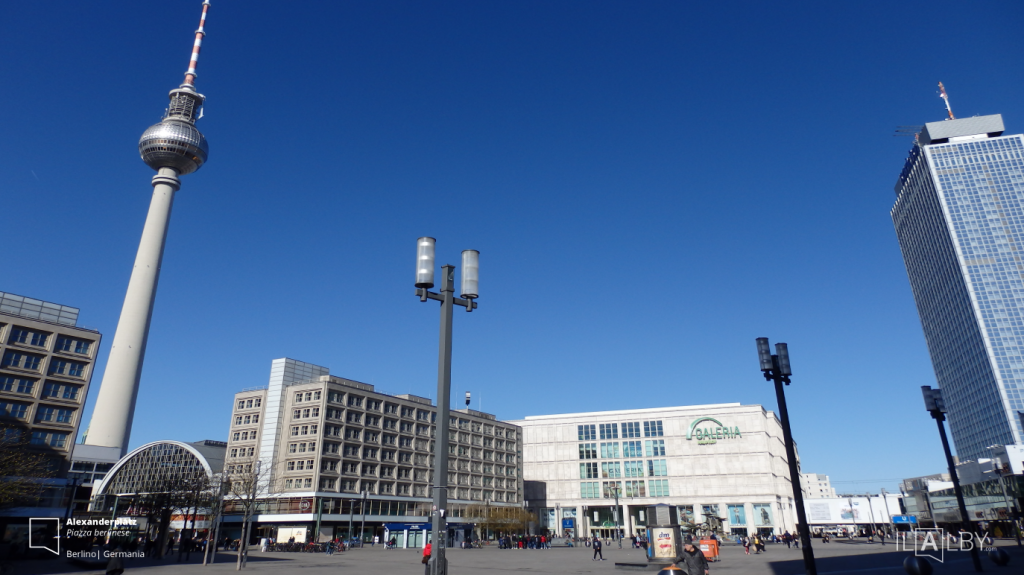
x,y
942,92
190,75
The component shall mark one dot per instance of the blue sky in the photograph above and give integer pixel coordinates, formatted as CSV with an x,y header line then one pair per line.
x,y
652,185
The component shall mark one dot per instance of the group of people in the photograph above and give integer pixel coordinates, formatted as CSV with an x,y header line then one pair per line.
x,y
524,542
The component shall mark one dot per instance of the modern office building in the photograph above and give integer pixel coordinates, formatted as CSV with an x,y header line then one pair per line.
x,y
722,465
323,441
173,147
816,486
44,379
959,218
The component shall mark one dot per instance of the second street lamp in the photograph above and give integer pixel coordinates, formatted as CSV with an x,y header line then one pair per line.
x,y
776,368
470,291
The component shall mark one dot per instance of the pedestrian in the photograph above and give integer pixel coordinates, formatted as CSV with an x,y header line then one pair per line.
x,y
376,540
426,559
881,537
692,561
757,545
116,564
788,539
597,549
746,544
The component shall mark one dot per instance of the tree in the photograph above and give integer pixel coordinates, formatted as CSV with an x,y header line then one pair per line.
x,y
249,482
500,518
22,465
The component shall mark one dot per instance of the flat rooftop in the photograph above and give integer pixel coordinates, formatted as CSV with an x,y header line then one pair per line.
x,y
29,308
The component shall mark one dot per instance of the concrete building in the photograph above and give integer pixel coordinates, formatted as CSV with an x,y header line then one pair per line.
x,y
959,217
323,441
723,465
173,147
44,379
816,486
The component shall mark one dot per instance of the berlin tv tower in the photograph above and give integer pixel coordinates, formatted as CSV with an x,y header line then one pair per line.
x,y
173,147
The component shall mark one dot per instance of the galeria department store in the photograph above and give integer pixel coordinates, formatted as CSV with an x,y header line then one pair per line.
x,y
722,465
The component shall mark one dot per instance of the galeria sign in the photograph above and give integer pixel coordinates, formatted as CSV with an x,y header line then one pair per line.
x,y
709,434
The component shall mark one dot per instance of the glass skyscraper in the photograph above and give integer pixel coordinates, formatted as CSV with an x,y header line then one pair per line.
x,y
959,218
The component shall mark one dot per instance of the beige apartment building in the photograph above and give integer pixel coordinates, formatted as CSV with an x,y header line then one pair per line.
x,y
46,366
324,441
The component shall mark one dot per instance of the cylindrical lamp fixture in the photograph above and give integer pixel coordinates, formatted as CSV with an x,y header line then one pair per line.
x,y
764,353
470,274
425,262
782,350
467,400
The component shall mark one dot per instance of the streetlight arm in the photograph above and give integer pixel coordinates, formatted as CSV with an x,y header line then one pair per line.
x,y
424,294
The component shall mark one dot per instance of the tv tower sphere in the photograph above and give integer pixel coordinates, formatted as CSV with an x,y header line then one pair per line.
x,y
173,147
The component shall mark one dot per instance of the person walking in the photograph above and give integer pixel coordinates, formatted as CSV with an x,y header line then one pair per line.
x,y
746,544
597,549
692,561
426,559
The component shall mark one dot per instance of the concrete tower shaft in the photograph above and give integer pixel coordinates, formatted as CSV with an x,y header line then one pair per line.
x,y
172,147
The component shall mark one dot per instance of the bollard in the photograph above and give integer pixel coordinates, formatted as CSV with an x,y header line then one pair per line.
x,y
915,565
999,557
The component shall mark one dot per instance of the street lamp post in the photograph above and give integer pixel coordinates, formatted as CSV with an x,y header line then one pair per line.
x,y
351,512
470,291
936,406
616,491
776,368
362,524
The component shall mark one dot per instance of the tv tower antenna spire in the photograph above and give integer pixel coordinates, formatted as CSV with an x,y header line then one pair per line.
x,y
173,147
944,96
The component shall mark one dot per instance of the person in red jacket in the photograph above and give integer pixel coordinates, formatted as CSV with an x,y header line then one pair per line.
x,y
426,559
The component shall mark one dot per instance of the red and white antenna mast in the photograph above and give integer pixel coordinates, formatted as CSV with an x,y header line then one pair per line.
x,y
190,75
942,90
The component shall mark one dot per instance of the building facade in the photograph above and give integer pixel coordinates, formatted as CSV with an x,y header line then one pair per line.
x,y
324,441
959,218
816,486
723,465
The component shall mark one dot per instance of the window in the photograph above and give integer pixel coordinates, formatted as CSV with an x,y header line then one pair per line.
x,y
51,389
39,339
298,398
65,343
82,346
588,471
657,467
49,438
308,482
18,336
316,395
15,410
653,429
247,419
257,402
238,420
590,490
609,487
630,429
588,451
609,431
241,404
291,465
248,404
632,449
71,368
634,468
586,432
256,418
234,453
355,401
288,483
21,360
609,451
654,447
295,430
235,436
635,489
611,470
64,416
659,487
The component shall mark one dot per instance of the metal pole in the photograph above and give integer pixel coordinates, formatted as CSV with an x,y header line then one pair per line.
x,y
362,524
871,512
319,516
351,512
964,518
787,435
618,513
438,563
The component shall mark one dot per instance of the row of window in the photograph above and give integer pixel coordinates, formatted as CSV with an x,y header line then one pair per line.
x,y
647,448
611,489
630,429
39,339
43,413
247,419
28,361
614,469
242,452
243,435
50,389
249,403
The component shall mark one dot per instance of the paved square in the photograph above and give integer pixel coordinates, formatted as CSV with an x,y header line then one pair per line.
x,y
832,559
